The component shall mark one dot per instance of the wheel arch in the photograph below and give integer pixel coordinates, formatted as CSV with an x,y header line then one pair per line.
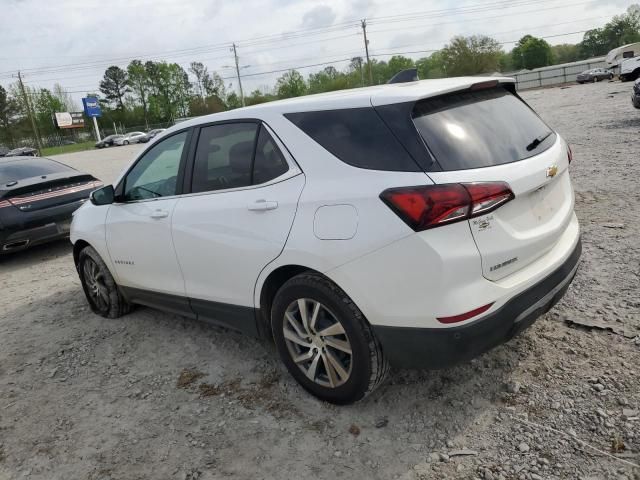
x,y
77,248
268,289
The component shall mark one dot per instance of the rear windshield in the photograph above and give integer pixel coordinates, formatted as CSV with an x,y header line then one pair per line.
x,y
475,129
357,136
17,170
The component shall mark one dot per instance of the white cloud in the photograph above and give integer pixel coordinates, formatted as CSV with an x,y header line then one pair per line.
x,y
318,17
85,36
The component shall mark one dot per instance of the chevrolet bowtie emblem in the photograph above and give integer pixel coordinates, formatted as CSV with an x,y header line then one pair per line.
x,y
552,171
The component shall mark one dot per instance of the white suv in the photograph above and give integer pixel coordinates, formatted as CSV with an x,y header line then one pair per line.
x,y
415,225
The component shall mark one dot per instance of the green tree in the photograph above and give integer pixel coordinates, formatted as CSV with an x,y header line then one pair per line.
x,y
291,84
531,52
471,55
431,66
565,53
114,86
397,63
621,30
257,96
233,101
9,110
169,89
46,105
327,80
200,72
214,86
139,84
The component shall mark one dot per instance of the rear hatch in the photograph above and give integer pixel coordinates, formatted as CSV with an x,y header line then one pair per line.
x,y
491,135
35,184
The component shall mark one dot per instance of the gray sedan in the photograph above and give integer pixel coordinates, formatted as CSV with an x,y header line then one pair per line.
x,y
594,75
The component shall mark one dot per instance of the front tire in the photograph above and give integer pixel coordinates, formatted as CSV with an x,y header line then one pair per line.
x,y
126,142
99,287
325,341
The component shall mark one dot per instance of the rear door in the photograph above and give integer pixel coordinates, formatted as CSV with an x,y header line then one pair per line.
x,y
492,135
236,219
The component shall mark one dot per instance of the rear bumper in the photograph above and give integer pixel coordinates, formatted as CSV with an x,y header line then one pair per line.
x,y
34,228
442,347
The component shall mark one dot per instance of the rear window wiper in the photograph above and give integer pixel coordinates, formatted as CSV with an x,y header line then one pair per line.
x,y
538,140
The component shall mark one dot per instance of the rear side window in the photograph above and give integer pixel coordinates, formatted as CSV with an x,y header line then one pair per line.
x,y
223,157
357,136
474,129
34,167
269,162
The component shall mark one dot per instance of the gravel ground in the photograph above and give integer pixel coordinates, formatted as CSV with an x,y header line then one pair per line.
x,y
153,395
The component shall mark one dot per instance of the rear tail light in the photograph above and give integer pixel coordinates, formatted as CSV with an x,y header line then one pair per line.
x,y
569,154
430,206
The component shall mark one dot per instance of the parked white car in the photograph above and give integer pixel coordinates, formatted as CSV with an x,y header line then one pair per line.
x,y
128,138
415,224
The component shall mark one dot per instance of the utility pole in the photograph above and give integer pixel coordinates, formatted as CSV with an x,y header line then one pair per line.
x,y
235,55
366,48
30,114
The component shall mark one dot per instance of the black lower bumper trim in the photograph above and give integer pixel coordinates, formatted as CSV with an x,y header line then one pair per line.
x,y
443,347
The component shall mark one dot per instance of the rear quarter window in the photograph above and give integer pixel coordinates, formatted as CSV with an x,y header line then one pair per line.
x,y
475,129
357,136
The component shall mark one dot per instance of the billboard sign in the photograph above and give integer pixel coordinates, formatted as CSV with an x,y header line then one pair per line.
x,y
91,107
69,119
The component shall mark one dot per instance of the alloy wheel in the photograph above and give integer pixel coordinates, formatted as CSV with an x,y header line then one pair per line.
x,y
317,343
94,279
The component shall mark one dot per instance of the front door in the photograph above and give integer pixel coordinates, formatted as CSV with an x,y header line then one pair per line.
x,y
236,220
138,227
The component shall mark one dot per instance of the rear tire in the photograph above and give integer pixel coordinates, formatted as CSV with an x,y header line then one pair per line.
x,y
126,142
350,365
99,287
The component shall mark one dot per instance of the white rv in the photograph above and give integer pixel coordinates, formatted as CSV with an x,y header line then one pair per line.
x,y
618,55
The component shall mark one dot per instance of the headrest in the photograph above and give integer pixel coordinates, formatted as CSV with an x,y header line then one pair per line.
x,y
240,156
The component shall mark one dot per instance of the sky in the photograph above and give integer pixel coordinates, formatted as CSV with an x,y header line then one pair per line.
x,y
72,42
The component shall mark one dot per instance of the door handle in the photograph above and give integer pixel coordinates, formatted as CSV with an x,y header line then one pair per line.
x,y
159,214
262,205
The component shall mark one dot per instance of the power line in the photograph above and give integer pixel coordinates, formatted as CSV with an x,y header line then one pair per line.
x,y
529,29
276,38
482,19
333,62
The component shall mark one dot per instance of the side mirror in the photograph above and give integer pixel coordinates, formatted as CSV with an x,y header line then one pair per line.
x,y
103,196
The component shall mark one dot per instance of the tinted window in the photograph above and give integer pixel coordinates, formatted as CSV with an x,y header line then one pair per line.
x,y
356,136
474,129
269,162
36,167
223,157
155,175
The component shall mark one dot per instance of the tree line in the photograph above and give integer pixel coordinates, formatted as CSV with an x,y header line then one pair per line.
x,y
147,93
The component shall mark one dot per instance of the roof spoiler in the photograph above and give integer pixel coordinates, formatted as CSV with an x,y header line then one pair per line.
x,y
404,76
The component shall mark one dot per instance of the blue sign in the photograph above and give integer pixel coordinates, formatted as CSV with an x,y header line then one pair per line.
x,y
91,107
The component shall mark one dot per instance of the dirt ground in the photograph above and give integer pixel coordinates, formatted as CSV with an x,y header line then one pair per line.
x,y
153,395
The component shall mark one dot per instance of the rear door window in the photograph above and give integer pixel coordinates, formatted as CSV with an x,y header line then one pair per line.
x,y
474,129
357,136
223,156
